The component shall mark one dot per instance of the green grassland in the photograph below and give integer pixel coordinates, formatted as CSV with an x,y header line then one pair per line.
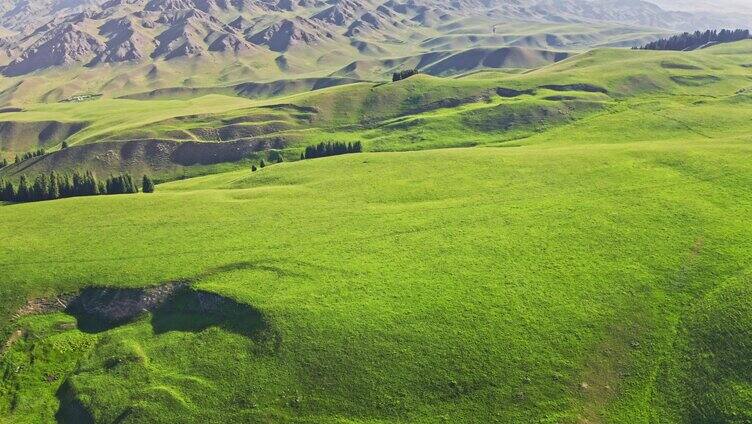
x,y
598,89
586,261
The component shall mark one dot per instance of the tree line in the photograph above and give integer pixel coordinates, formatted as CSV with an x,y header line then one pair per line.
x,y
29,155
401,75
697,39
58,186
331,149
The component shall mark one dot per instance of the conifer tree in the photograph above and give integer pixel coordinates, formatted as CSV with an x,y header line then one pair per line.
x,y
91,188
22,195
39,189
66,187
53,187
7,192
147,185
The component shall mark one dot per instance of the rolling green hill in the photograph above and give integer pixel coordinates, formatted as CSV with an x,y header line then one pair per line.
x,y
540,283
565,245
605,85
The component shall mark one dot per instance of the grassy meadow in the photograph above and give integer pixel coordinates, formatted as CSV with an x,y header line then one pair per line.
x,y
559,260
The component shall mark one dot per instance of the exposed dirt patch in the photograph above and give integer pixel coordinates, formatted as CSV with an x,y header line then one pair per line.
x,y
237,131
532,117
588,88
147,156
695,80
560,98
108,307
198,153
451,102
290,107
43,306
174,307
683,66
23,135
14,337
510,92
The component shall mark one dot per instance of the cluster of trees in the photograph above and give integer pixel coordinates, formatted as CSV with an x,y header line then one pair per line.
x,y
4,163
255,168
401,75
331,149
29,155
262,163
57,186
697,39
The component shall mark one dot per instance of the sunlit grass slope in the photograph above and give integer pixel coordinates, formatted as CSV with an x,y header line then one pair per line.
x,y
562,284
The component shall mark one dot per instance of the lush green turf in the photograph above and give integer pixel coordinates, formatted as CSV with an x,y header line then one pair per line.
x,y
596,270
465,284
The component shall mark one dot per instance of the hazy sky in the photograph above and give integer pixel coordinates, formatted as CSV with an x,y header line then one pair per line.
x,y
721,6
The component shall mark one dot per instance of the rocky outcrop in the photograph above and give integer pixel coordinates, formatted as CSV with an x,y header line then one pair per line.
x,y
287,33
64,45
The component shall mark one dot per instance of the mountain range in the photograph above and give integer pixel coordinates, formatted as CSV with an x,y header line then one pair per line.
x,y
40,34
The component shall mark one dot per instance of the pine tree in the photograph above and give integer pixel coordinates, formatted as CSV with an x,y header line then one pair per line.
x,y
64,145
90,186
262,164
130,184
253,168
147,185
53,187
66,187
39,190
7,192
22,195
77,184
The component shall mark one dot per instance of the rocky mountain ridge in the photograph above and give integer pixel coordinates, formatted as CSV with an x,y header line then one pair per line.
x,y
40,34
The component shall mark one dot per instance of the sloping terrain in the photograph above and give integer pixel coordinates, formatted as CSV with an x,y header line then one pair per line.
x,y
567,244
417,113
537,283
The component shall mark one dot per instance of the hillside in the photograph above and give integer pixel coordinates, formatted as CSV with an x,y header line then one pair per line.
x,y
181,135
498,284
535,232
